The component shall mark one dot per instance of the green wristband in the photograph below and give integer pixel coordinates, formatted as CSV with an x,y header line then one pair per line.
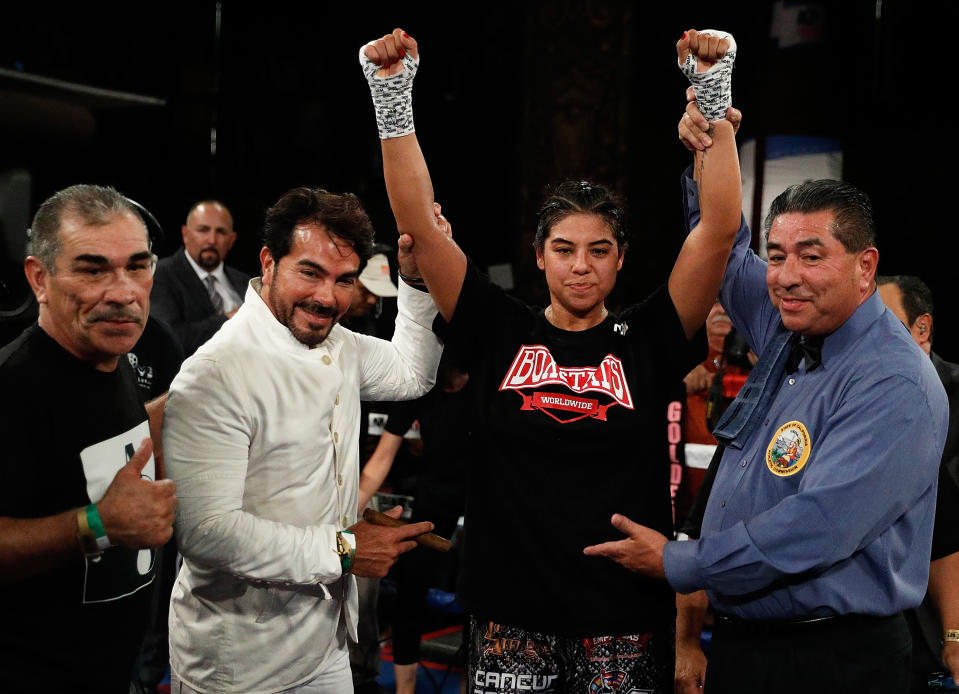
x,y
346,548
96,525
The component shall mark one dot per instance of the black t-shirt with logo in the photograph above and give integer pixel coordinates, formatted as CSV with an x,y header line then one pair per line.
x,y
66,429
155,359
567,429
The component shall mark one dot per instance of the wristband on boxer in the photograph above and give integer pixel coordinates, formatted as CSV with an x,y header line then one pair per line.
x,y
414,282
91,534
713,88
951,635
392,96
346,548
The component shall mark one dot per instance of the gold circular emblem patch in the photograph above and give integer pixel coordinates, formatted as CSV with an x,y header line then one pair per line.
x,y
789,449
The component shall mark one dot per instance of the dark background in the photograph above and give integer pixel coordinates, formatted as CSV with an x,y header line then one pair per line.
x,y
509,97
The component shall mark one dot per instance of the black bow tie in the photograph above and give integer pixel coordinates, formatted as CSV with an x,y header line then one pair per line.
x,y
808,348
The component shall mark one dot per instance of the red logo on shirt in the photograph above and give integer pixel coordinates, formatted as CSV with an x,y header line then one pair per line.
x,y
534,366
616,647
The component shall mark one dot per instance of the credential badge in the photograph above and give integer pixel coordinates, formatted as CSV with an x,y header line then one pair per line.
x,y
789,449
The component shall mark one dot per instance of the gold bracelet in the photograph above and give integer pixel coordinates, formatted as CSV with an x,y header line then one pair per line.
x,y
951,635
346,549
85,535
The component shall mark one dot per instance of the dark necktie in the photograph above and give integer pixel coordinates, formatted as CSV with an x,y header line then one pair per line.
x,y
808,348
215,297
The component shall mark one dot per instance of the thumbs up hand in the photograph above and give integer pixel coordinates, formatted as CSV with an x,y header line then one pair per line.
x,y
137,512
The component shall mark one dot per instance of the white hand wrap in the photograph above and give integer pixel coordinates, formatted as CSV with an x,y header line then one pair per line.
x,y
713,88
392,96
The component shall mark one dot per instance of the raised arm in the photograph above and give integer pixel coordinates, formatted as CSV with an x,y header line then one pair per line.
x,y
696,277
390,63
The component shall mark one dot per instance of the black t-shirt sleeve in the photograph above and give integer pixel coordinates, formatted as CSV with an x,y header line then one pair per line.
x,y
481,310
25,429
17,464
402,415
656,322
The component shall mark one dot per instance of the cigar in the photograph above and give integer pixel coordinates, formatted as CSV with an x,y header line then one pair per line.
x,y
431,540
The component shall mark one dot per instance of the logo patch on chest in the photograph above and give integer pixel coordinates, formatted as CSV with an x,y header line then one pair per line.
x,y
534,367
789,449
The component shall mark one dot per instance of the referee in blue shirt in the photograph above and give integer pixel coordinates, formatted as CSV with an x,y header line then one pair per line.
x,y
818,528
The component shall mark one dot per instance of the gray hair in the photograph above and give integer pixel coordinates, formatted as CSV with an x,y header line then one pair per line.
x,y
92,205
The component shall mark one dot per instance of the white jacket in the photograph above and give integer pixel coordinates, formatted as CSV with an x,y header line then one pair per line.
x,y
261,435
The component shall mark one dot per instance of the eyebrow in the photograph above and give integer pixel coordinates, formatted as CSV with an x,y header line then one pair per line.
x,y
319,268
805,243
103,260
598,242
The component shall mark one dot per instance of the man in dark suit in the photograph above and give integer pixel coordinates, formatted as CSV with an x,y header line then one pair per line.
x,y
935,623
194,291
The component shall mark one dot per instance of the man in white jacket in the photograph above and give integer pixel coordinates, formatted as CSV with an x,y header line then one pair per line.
x,y
261,436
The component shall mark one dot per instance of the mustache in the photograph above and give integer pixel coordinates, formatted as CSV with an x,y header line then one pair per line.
x,y
317,308
117,313
211,249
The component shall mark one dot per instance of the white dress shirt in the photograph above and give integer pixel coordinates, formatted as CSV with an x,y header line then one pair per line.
x,y
261,435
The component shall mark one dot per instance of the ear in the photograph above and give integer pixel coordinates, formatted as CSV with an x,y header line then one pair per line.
x,y
922,331
540,263
868,262
267,266
622,257
37,275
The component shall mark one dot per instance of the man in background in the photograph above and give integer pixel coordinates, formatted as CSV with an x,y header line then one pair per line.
x,y
373,285
194,290
935,623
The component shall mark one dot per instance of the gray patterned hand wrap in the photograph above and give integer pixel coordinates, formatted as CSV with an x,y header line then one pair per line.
x,y
713,88
392,96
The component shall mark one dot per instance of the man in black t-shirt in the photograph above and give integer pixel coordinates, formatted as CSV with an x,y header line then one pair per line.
x,y
935,623
80,507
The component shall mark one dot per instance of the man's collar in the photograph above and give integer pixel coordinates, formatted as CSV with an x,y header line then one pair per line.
x,y
855,326
217,272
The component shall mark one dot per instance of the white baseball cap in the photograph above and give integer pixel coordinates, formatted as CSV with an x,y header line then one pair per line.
x,y
376,276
